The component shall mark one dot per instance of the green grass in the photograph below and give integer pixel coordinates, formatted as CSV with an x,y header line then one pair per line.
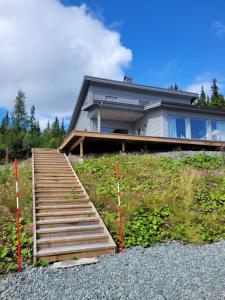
x,y
162,199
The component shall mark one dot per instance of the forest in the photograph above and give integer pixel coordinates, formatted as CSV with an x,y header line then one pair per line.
x,y
20,131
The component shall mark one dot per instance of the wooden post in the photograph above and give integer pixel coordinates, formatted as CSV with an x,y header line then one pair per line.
x,y
81,149
123,147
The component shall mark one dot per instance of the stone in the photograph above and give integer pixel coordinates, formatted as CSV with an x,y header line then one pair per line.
x,y
73,263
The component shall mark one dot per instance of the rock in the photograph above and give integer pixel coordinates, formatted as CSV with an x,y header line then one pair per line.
x,y
73,263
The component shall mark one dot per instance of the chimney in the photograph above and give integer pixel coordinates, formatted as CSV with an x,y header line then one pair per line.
x,y
127,79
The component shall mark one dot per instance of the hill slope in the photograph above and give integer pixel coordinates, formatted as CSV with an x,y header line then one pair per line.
x,y
162,198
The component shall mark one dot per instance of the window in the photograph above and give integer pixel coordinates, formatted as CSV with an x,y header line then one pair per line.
x,y
112,98
218,130
198,129
114,130
176,127
107,129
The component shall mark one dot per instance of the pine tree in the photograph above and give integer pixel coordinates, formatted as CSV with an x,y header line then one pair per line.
x,y
217,99
19,115
202,98
62,128
55,128
176,88
32,119
5,123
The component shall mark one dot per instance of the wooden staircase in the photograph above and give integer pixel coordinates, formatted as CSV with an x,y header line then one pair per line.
x,y
66,223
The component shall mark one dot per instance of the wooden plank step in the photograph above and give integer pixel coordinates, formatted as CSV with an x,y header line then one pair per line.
x,y
68,229
63,207
53,241
60,210
67,221
74,249
42,201
60,197
65,213
57,189
57,185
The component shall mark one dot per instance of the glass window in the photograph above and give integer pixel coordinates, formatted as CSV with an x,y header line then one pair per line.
x,y
106,129
177,127
198,129
218,130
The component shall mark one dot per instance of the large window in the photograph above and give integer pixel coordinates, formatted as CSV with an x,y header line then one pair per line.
x,y
177,127
218,130
198,129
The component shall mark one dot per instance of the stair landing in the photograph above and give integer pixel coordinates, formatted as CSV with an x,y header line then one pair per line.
x,y
66,223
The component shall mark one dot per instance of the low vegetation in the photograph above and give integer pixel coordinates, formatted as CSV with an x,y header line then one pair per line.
x,y
162,199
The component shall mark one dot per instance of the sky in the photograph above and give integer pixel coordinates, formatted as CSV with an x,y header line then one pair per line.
x,y
47,46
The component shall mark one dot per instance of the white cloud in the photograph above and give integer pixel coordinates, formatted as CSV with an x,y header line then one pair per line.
x,y
219,28
205,80
46,48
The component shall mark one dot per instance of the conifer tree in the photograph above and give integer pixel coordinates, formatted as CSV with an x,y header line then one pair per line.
x,y
217,100
202,98
19,115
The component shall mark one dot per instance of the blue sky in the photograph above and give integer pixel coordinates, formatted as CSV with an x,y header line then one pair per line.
x,y
172,41
156,42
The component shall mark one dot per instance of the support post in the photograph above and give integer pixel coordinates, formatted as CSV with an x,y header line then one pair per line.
x,y
123,147
99,120
81,149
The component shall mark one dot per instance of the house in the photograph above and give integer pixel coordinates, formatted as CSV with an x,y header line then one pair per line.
x,y
110,106
112,115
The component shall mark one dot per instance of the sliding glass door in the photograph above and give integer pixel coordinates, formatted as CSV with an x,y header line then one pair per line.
x,y
176,127
198,129
218,130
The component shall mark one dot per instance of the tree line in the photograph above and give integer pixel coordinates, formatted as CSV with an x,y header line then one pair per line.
x,y
216,100
20,131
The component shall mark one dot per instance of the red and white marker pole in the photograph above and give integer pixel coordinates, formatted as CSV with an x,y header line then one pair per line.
x,y
17,215
119,210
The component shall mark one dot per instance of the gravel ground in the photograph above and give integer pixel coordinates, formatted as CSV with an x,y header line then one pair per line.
x,y
165,271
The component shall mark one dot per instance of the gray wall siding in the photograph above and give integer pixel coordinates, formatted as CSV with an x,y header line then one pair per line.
x,y
98,92
84,122
152,124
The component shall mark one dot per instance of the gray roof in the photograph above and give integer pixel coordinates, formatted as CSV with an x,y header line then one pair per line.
x,y
123,85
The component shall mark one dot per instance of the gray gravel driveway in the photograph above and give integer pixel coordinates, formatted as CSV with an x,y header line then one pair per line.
x,y
165,271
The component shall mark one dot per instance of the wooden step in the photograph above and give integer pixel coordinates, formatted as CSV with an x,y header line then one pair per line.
x,y
65,214
47,208
54,241
83,250
58,189
65,222
62,202
70,230
57,185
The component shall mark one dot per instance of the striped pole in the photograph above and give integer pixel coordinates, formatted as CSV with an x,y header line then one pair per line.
x,y
17,215
119,210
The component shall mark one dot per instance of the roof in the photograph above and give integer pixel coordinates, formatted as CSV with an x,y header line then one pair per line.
x,y
179,106
122,85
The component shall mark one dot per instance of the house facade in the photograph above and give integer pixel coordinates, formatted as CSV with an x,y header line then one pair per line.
x,y
124,107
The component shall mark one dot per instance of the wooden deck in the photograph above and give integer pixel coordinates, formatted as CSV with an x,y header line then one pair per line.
x,y
77,138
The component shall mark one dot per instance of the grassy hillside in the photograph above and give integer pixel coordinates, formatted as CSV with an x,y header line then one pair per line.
x,y
162,199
